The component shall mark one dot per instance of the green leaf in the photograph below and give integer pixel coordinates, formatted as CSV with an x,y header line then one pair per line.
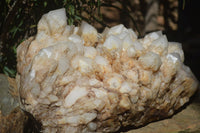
x,y
183,7
20,24
33,26
9,72
22,40
8,1
45,4
98,6
70,21
14,31
71,10
14,49
64,2
77,17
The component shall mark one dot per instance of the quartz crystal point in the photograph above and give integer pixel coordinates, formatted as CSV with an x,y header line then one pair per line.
x,y
74,79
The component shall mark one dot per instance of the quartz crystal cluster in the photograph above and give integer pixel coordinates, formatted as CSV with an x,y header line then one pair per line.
x,y
74,79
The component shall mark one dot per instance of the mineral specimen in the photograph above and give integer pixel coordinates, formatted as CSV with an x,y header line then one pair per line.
x,y
74,79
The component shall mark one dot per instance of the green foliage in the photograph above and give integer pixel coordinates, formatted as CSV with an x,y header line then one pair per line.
x,y
183,6
9,72
16,29
45,3
78,10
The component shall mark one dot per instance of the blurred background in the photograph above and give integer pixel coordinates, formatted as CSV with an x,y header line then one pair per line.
x,y
178,19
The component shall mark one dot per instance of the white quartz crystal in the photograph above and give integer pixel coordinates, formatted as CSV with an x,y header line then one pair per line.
x,y
74,95
90,52
88,33
150,60
113,43
74,79
54,22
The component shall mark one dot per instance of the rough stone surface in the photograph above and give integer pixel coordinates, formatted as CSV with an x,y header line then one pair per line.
x,y
76,79
7,101
186,120
12,118
14,122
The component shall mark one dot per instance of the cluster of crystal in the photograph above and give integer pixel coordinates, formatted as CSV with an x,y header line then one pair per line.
x,y
74,79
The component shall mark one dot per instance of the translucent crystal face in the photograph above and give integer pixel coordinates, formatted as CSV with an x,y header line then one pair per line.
x,y
76,79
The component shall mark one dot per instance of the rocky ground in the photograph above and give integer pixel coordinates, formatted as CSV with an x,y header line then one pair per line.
x,y
13,119
187,120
